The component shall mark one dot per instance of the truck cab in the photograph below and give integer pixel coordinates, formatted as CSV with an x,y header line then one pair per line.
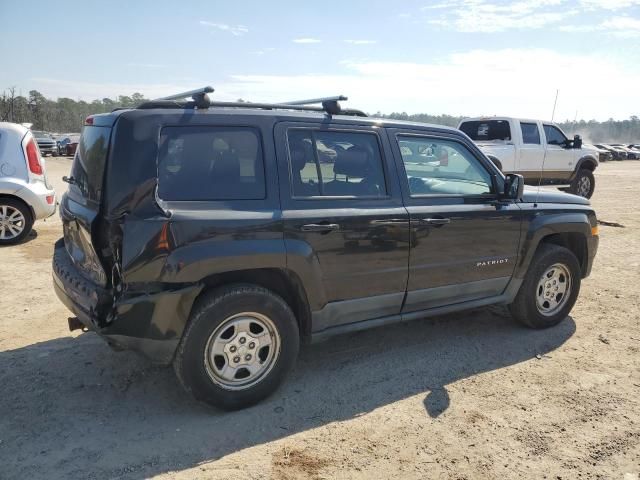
x,y
539,151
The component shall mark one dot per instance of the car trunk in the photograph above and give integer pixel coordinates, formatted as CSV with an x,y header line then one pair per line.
x,y
81,206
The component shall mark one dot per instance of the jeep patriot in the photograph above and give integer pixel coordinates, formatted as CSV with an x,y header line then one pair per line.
x,y
220,236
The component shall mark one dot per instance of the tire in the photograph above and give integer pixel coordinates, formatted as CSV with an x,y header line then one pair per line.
x,y
525,307
584,184
16,221
228,315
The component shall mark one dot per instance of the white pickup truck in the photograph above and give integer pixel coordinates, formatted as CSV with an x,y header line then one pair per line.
x,y
537,150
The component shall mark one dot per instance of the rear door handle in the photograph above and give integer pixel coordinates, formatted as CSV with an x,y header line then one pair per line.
x,y
438,222
320,227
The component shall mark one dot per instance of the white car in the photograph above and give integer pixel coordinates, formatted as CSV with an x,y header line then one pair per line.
x,y
537,150
25,193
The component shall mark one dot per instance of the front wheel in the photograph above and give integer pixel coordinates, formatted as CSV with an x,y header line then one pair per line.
x,y
240,343
584,184
550,288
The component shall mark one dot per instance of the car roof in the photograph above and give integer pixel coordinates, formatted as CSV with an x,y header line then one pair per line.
x,y
13,127
278,114
486,119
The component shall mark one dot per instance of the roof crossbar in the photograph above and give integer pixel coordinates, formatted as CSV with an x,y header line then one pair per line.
x,y
201,100
320,100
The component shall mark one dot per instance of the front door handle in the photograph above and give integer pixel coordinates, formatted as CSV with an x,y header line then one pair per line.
x,y
320,227
436,222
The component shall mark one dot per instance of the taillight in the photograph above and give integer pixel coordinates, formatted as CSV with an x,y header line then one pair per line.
x,y
33,158
88,120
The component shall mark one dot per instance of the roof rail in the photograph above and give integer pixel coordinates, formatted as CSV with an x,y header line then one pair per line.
x,y
201,100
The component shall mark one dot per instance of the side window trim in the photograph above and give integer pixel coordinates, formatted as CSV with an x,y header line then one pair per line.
x,y
313,131
405,177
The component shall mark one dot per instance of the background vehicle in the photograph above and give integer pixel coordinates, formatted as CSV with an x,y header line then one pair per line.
x,y
604,155
537,150
615,153
67,144
224,265
622,153
25,193
46,143
631,154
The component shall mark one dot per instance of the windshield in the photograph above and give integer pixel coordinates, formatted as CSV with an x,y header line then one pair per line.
x,y
39,134
479,130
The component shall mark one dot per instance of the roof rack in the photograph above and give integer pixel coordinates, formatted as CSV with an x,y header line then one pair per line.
x,y
201,101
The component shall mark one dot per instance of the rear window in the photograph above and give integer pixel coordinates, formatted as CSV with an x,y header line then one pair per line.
x,y
479,130
202,163
89,162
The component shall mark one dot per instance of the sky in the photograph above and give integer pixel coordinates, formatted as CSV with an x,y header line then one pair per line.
x,y
457,57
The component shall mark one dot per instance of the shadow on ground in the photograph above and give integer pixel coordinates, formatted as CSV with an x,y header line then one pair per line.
x,y
71,407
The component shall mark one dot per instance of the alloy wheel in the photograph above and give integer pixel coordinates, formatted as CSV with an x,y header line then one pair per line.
x,y
554,289
12,222
242,350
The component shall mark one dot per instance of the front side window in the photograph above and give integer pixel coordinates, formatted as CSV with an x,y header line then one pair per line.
x,y
200,163
335,164
442,167
530,133
554,135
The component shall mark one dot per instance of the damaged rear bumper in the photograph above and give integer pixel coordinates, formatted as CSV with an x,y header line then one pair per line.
x,y
148,321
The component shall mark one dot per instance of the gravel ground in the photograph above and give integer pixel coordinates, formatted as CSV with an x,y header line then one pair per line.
x,y
471,395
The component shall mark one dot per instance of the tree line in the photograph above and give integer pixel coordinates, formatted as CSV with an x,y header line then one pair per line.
x,y
67,115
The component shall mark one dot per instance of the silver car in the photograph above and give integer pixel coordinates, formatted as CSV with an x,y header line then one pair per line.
x,y
25,192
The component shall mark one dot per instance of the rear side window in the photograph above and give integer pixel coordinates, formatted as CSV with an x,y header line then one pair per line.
x,y
530,133
202,163
479,130
89,162
335,164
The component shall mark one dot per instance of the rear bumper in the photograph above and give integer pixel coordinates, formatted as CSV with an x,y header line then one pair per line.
x,y
35,195
151,323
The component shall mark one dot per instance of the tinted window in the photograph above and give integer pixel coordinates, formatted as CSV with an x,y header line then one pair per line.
x,y
530,133
210,163
343,164
554,135
487,129
89,162
442,167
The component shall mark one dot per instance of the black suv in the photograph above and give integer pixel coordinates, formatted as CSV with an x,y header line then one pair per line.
x,y
219,236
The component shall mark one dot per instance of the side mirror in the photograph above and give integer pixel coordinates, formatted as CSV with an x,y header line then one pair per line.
x,y
513,186
577,141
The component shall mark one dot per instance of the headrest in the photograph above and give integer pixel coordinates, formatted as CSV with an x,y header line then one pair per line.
x,y
227,166
298,157
354,162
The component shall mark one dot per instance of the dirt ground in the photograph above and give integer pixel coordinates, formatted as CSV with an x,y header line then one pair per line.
x,y
471,395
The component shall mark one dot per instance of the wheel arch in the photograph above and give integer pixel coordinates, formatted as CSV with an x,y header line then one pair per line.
x,y
569,230
21,200
282,281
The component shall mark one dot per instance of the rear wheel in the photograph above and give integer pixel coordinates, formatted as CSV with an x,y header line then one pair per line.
x,y
550,288
240,343
15,221
584,184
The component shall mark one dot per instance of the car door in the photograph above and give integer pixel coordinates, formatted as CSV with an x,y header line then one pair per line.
x,y
531,149
344,219
464,240
559,160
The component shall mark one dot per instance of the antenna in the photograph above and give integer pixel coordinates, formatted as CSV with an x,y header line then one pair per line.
x,y
544,155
